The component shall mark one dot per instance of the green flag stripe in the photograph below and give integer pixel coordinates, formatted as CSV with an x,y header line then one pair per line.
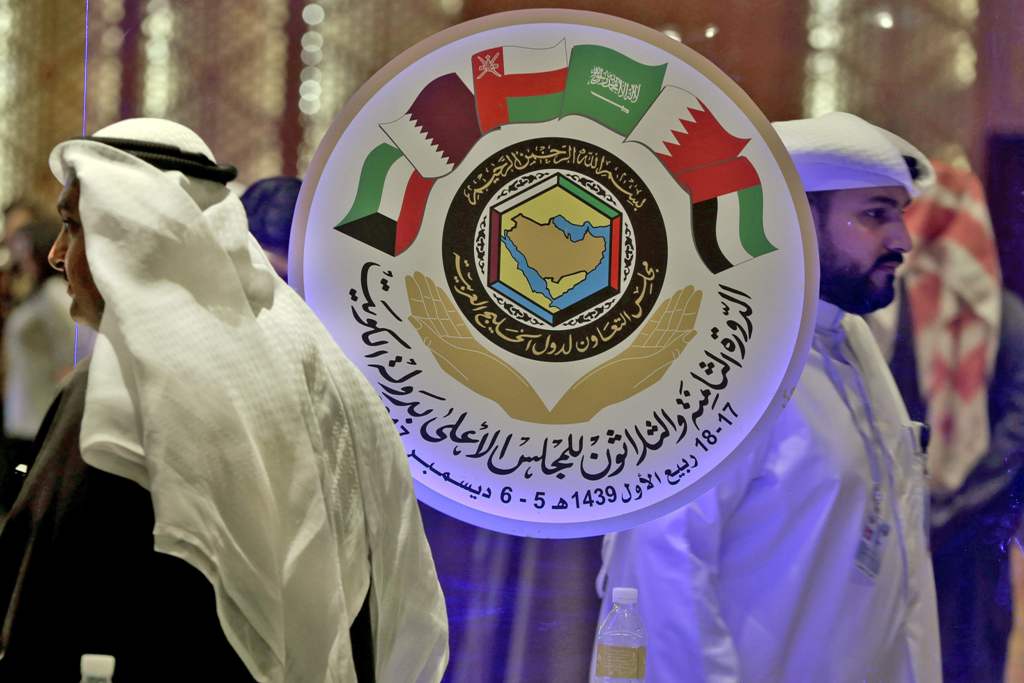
x,y
371,182
752,236
534,108
587,198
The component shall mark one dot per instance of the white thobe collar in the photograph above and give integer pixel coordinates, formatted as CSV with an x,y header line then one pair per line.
x,y
829,317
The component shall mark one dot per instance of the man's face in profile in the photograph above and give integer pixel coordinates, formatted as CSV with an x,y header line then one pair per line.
x,y
861,242
68,256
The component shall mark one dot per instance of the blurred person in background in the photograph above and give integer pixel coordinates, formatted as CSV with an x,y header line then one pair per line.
x,y
17,214
38,347
955,340
270,206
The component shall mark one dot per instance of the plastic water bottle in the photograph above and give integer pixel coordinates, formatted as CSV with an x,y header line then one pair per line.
x,y
97,669
621,641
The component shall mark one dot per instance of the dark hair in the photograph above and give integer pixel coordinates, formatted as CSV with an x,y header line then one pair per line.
x,y
270,204
820,202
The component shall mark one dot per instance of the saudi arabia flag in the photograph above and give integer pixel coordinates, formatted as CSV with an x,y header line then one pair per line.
x,y
609,87
390,198
704,158
439,129
518,84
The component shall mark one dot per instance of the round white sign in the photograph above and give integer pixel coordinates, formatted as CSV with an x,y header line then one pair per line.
x,y
573,258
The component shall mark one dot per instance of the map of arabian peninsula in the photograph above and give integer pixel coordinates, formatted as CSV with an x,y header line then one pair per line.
x,y
553,252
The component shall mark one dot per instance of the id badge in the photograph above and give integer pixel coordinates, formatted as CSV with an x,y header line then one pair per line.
x,y
874,534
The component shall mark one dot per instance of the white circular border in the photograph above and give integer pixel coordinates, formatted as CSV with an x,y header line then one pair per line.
x,y
742,101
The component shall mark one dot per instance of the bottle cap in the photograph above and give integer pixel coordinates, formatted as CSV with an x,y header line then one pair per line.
x,y
97,666
624,596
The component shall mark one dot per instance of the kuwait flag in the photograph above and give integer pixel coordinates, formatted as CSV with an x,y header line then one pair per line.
x,y
609,87
439,128
724,188
390,198
518,84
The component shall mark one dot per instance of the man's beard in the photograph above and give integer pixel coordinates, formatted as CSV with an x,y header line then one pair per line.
x,y
854,291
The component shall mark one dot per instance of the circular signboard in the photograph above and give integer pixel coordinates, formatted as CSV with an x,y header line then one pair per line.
x,y
574,260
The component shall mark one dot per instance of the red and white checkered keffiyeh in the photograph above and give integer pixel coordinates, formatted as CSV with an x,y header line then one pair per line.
x,y
953,284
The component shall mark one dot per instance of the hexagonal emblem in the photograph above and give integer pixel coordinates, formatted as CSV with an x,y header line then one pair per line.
x,y
555,249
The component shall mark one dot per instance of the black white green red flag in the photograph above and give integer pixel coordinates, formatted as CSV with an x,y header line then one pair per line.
x,y
729,229
389,203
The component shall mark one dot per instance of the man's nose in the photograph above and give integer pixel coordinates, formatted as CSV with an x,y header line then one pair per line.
x,y
898,238
57,251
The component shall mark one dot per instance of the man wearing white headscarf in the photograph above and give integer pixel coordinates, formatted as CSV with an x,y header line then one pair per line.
x,y
264,460
809,560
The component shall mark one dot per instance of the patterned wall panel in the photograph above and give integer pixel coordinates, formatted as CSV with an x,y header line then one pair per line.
x,y
347,41
106,39
220,68
908,66
40,91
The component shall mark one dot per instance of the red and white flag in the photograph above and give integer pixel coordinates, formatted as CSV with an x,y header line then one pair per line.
x,y
519,84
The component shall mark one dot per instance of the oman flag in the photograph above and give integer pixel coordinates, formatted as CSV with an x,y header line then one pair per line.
x,y
390,198
704,158
519,84
439,129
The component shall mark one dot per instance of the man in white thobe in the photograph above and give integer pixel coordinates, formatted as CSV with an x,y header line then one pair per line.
x,y
809,560
265,464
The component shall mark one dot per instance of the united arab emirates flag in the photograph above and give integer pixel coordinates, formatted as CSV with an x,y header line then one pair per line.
x,y
724,187
439,128
390,198
729,229
609,87
518,84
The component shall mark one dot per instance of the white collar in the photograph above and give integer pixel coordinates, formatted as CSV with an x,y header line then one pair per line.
x,y
829,317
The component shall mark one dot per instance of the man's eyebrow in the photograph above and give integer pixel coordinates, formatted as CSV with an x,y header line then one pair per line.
x,y
888,201
64,204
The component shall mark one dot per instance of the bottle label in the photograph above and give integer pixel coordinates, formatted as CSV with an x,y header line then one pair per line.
x,y
618,661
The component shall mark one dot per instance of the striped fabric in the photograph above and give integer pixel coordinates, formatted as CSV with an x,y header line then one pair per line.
x,y
953,283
